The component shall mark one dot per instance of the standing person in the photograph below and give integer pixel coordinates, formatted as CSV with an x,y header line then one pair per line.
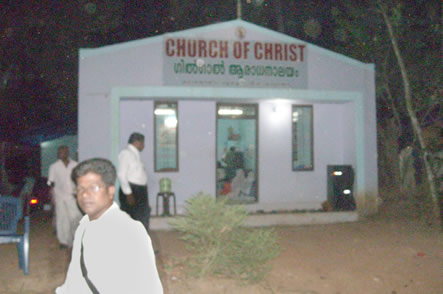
x,y
231,168
67,213
112,253
133,194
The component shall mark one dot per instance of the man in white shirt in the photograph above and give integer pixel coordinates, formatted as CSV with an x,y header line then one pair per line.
x,y
67,214
133,194
112,253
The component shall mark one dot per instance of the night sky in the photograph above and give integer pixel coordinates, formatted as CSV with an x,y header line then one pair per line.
x,y
40,41
39,58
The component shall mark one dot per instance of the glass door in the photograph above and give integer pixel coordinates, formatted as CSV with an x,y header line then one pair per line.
x,y
236,173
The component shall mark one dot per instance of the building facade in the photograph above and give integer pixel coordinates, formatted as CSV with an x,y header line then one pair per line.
x,y
234,110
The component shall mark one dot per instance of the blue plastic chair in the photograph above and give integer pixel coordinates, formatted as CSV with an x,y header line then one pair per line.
x,y
11,211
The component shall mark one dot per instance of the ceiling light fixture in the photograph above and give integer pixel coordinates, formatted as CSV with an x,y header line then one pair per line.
x,y
225,111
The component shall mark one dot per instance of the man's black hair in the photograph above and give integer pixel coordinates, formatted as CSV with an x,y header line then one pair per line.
x,y
136,137
99,166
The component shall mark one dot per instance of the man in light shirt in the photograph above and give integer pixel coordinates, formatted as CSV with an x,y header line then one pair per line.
x,y
67,214
133,194
112,253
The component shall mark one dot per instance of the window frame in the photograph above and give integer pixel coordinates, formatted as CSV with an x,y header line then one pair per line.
x,y
311,134
256,117
156,169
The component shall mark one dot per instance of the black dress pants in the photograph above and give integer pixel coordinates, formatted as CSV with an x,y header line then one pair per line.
x,y
141,210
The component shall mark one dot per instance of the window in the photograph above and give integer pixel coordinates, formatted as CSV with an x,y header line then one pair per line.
x,y
165,136
302,138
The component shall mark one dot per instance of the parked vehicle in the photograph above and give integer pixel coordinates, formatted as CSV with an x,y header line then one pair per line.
x,y
40,199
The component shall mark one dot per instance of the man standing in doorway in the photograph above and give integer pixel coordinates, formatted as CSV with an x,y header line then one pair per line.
x,y
133,194
67,214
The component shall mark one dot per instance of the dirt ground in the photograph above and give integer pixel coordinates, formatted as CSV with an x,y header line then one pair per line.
x,y
378,255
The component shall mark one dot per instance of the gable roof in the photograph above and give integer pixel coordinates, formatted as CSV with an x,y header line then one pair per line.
x,y
90,52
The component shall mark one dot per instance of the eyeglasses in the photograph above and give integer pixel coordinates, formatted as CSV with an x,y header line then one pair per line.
x,y
91,189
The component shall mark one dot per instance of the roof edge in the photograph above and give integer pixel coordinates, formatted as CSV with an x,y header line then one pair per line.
x,y
91,52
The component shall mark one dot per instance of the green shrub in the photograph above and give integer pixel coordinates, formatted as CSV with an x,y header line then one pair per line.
x,y
219,242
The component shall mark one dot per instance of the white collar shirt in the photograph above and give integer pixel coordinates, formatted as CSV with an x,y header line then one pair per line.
x,y
118,256
60,175
131,169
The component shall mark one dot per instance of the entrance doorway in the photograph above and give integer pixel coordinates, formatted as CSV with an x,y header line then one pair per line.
x,y
237,177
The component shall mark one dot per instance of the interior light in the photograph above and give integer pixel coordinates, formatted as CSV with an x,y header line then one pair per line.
x,y
347,191
33,201
225,111
337,173
164,111
171,122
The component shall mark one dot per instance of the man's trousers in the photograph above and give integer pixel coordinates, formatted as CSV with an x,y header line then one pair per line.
x,y
141,210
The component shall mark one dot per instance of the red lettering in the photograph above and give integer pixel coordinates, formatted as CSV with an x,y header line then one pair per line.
x,y
278,55
268,51
245,50
223,53
220,49
301,47
285,46
292,52
181,47
192,48
237,50
212,49
202,48
257,51
169,44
